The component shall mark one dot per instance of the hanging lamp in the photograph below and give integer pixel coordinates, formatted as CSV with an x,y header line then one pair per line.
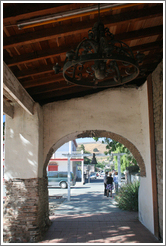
x,y
100,60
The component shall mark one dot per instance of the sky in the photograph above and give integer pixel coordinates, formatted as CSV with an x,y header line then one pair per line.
x,y
87,140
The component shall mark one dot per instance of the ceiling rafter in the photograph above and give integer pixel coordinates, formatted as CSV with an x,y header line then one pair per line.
x,y
53,52
31,53
42,35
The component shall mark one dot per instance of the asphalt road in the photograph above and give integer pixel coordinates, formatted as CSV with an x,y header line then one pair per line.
x,y
95,185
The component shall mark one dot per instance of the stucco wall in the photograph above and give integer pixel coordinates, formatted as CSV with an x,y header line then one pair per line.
x,y
24,144
122,111
115,110
145,190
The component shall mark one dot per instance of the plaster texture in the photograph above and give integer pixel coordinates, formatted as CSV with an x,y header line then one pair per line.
x,y
145,190
113,110
31,140
24,144
122,111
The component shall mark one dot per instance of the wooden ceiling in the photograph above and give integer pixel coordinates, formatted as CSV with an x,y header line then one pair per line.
x,y
30,53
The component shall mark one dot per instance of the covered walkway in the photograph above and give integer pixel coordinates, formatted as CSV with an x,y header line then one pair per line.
x,y
90,217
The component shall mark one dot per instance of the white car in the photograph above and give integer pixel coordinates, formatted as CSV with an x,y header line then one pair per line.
x,y
93,176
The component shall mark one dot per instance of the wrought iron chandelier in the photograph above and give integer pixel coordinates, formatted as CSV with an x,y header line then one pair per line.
x,y
100,61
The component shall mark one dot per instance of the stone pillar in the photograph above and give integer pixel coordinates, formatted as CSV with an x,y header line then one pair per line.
x,y
26,212
26,215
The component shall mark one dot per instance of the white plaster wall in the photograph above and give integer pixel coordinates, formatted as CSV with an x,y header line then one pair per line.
x,y
24,144
145,190
115,110
123,111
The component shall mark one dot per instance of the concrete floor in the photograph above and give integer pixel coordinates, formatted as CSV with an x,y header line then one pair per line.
x,y
90,217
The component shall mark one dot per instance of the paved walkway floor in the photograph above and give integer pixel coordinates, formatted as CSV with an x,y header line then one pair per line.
x,y
94,218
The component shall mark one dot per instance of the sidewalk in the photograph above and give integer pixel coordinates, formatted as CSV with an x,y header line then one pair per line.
x,y
94,218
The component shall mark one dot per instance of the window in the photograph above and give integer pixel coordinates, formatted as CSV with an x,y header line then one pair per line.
x,y
63,174
52,174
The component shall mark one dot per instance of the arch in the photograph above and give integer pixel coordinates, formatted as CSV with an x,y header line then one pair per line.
x,y
98,133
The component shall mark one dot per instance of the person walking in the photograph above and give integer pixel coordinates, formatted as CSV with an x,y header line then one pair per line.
x,y
109,183
105,179
115,179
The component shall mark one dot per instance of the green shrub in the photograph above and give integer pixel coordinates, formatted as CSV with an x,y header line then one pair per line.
x,y
127,197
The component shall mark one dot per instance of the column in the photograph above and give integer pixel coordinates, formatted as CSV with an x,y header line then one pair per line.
x,y
26,214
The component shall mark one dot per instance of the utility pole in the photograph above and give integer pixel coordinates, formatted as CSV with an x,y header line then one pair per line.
x,y
119,166
82,177
69,155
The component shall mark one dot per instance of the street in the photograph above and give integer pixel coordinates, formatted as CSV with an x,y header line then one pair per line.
x,y
95,185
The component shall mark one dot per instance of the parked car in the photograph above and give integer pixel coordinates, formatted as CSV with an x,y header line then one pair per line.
x,y
93,176
60,179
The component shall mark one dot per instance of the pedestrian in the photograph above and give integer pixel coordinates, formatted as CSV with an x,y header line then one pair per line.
x,y
113,173
105,179
109,183
115,179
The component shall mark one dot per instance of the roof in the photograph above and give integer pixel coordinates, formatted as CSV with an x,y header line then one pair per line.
x,y
31,51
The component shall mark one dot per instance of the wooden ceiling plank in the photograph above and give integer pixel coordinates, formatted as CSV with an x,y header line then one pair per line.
x,y
71,89
31,72
151,31
54,84
49,53
36,71
28,10
46,34
147,46
50,87
35,56
138,34
62,94
43,81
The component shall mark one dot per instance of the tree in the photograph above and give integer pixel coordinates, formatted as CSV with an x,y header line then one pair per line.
x,y
82,147
100,165
86,159
116,147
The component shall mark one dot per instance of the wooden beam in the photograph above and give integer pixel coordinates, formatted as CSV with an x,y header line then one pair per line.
x,y
148,46
48,53
153,156
51,87
37,55
25,11
135,13
47,34
67,91
138,34
43,81
16,90
35,71
8,108
49,68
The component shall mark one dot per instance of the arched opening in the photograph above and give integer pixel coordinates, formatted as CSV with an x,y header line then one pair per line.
x,y
99,133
